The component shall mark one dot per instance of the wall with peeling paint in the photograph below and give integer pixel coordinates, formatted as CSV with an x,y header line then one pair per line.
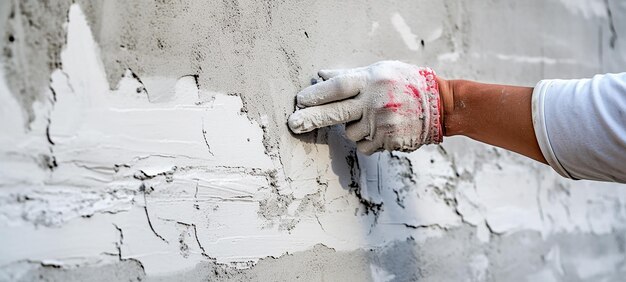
x,y
147,140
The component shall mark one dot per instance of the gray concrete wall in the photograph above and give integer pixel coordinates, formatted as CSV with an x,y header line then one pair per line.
x,y
146,140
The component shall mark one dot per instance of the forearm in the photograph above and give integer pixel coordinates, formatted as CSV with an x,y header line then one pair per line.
x,y
499,115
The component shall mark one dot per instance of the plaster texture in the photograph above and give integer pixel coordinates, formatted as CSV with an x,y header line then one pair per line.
x,y
147,140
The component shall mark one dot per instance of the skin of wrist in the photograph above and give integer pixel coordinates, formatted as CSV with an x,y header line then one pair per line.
x,y
498,115
449,96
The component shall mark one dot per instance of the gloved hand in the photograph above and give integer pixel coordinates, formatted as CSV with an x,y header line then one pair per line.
x,y
387,105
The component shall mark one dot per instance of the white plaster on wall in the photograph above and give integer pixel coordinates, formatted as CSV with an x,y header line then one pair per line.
x,y
380,275
184,163
172,174
586,8
404,30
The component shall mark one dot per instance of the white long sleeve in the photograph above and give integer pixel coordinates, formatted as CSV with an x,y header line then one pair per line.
x,y
581,126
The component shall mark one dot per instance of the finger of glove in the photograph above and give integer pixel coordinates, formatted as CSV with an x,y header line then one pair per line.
x,y
369,147
308,119
358,130
328,74
334,89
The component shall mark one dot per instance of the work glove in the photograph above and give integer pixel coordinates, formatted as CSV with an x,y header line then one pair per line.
x,y
388,105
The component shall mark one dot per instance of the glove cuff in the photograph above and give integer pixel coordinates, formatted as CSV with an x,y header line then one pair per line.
x,y
432,123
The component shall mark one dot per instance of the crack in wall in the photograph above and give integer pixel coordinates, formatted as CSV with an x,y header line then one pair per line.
x,y
183,247
407,176
119,244
142,88
204,132
426,226
355,176
168,174
145,208
50,161
195,232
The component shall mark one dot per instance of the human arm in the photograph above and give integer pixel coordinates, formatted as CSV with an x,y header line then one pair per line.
x,y
578,127
383,99
499,115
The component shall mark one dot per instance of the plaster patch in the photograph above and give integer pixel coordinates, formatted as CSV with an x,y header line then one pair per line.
x,y
374,28
483,234
586,8
434,35
508,205
467,206
545,275
553,258
534,60
403,29
160,89
192,170
380,275
55,205
25,150
51,245
10,114
588,268
479,264
449,57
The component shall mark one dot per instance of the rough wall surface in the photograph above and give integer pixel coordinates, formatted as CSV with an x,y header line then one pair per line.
x,y
146,140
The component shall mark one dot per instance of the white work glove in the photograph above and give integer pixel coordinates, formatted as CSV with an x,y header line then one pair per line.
x,y
388,105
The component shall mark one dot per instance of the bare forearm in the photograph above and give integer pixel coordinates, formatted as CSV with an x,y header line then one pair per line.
x,y
499,115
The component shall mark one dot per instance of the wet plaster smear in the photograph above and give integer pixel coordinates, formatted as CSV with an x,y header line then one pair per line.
x,y
147,140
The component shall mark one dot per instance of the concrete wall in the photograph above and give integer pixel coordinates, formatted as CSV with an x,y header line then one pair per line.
x,y
146,140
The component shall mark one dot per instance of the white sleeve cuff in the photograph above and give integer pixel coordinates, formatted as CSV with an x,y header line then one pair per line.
x,y
541,131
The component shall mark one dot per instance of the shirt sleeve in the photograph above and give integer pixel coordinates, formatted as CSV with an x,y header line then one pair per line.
x,y
581,126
